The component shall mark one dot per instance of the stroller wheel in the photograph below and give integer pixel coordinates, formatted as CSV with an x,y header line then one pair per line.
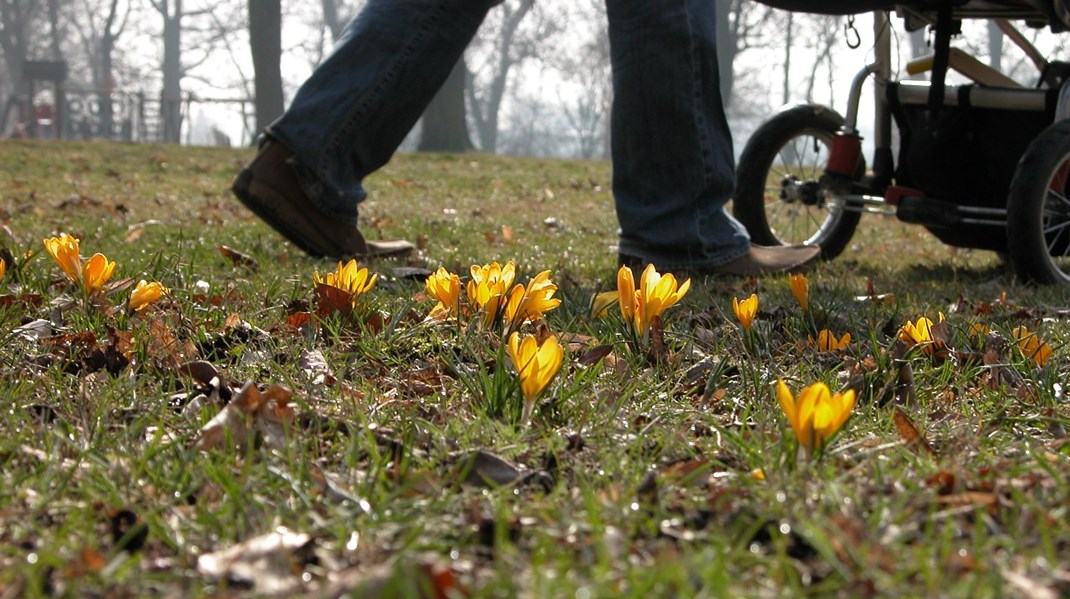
x,y
779,197
1038,209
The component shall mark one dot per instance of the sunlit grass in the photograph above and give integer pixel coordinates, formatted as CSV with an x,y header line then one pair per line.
x,y
636,474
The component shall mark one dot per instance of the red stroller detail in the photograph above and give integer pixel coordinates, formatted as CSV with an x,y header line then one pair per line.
x,y
984,165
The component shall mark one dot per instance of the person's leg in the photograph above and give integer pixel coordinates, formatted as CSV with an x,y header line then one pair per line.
x,y
673,167
350,115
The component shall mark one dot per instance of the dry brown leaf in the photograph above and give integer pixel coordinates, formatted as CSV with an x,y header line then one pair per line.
x,y
971,498
270,564
314,365
267,413
911,435
658,350
88,561
415,580
482,469
239,258
331,299
594,355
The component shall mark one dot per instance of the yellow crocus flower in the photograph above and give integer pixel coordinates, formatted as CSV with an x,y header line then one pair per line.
x,y
827,341
348,277
530,302
64,250
145,293
488,288
95,273
817,414
444,286
920,333
1031,346
536,365
657,293
746,310
3,268
800,288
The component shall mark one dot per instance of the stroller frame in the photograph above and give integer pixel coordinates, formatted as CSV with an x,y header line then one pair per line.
x,y
994,200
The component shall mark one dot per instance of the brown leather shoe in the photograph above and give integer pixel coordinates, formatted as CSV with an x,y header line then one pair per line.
x,y
760,260
268,186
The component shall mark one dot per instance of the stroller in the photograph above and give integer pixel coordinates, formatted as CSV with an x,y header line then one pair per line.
x,y
984,165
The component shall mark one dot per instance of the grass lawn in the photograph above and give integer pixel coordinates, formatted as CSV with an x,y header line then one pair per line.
x,y
237,438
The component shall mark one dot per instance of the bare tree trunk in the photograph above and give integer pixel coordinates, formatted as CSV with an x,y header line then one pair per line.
x,y
789,34
486,113
265,41
445,128
106,77
171,98
56,35
331,20
995,46
15,26
726,49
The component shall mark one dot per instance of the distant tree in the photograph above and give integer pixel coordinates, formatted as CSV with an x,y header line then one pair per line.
x,y
995,46
99,26
588,87
515,32
445,128
740,27
191,37
20,20
823,40
171,69
331,20
265,42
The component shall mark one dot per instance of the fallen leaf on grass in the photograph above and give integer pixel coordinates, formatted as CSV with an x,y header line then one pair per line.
x,y
88,561
1028,587
851,540
413,580
911,435
971,498
266,413
314,365
271,564
330,299
481,468
238,258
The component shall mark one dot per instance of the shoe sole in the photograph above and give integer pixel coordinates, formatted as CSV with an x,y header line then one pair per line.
x,y
243,189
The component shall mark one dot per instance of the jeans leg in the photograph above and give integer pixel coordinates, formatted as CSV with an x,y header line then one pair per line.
x,y
673,167
351,114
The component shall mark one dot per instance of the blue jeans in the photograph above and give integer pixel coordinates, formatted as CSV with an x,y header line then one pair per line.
x,y
673,166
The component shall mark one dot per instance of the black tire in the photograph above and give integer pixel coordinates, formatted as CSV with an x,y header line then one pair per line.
x,y
791,149
1038,209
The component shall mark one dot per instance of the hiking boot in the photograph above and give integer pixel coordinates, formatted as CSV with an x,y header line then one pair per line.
x,y
269,187
760,260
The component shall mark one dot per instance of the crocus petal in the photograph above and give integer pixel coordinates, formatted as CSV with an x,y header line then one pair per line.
x,y
536,364
96,272
626,293
446,288
64,250
601,302
787,402
144,294
746,310
800,288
